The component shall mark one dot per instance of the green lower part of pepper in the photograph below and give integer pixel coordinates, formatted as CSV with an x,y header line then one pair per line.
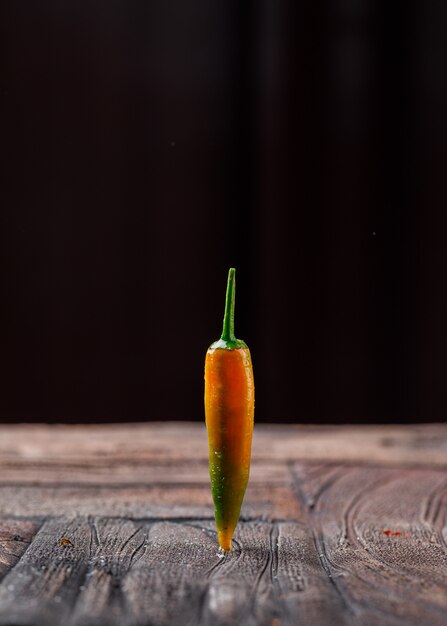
x,y
228,490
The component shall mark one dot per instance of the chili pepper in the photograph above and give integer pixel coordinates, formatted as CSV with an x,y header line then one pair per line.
x,y
229,413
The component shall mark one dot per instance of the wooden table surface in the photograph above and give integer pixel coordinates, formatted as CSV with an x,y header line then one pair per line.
x,y
113,525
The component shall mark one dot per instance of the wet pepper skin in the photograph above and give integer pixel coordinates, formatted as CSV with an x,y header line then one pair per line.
x,y
229,413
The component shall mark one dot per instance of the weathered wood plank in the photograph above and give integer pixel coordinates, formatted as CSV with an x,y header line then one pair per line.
x,y
15,537
418,444
325,538
378,533
168,582
142,573
126,573
342,566
241,588
109,472
42,588
307,593
141,502
122,573
273,577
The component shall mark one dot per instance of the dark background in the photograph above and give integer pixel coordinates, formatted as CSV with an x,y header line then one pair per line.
x,y
149,145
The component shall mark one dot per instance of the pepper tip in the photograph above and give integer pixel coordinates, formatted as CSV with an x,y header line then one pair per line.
x,y
224,539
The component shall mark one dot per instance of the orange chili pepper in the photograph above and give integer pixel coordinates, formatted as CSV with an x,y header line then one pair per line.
x,y
229,415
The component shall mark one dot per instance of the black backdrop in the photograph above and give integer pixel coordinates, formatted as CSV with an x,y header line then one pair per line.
x,y
148,145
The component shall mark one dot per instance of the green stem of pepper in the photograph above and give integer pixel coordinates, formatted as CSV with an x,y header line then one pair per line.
x,y
228,340
228,323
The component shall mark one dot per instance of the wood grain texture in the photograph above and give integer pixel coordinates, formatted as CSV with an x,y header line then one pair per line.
x,y
141,502
15,537
125,573
97,534
114,472
33,445
375,540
